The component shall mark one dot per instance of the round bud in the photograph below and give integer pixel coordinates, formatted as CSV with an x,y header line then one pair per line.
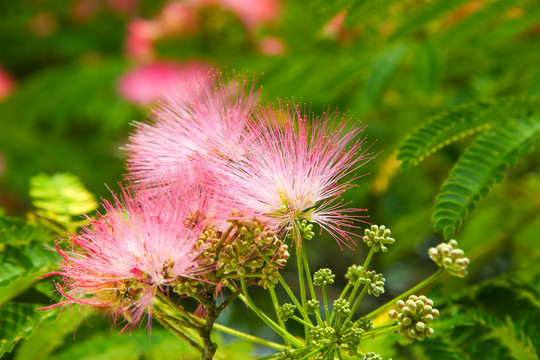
x,y
427,309
420,326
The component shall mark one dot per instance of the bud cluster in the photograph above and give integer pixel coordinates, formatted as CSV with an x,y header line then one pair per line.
x,y
342,306
413,315
449,257
323,277
286,311
377,237
320,335
305,228
246,248
374,281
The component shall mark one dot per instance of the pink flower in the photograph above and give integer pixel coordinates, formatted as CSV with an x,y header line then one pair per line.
x,y
142,245
7,83
141,35
179,18
253,13
150,83
271,45
194,120
295,169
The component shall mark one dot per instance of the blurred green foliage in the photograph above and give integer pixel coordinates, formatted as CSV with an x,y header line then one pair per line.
x,y
392,64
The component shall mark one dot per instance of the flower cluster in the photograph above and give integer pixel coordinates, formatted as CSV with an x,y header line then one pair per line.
x,y
413,316
215,181
449,257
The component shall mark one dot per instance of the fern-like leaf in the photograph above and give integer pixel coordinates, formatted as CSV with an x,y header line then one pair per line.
x,y
61,196
483,164
17,322
459,122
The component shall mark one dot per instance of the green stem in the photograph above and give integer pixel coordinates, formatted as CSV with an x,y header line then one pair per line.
x,y
301,321
382,331
311,287
405,294
248,337
356,303
308,274
291,295
301,285
276,308
325,300
282,332
179,333
165,300
364,269
175,319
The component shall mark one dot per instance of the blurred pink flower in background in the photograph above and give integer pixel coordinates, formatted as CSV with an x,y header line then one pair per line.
x,y
122,6
253,12
271,45
178,18
148,84
7,83
141,35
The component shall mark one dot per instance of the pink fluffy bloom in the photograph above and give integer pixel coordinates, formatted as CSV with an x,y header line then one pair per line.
x,y
151,83
142,245
193,121
295,169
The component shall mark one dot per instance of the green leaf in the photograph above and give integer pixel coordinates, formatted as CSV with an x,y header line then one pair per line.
x,y
481,166
429,12
20,268
459,122
382,68
61,196
51,334
17,322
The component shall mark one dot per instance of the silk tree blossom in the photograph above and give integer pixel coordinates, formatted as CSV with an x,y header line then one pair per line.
x,y
195,119
296,168
141,245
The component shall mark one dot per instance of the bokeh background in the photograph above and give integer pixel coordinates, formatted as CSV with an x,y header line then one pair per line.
x,y
75,74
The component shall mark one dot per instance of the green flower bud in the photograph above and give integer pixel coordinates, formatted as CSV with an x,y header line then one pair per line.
x,y
377,237
312,306
413,317
286,311
342,306
450,258
323,277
